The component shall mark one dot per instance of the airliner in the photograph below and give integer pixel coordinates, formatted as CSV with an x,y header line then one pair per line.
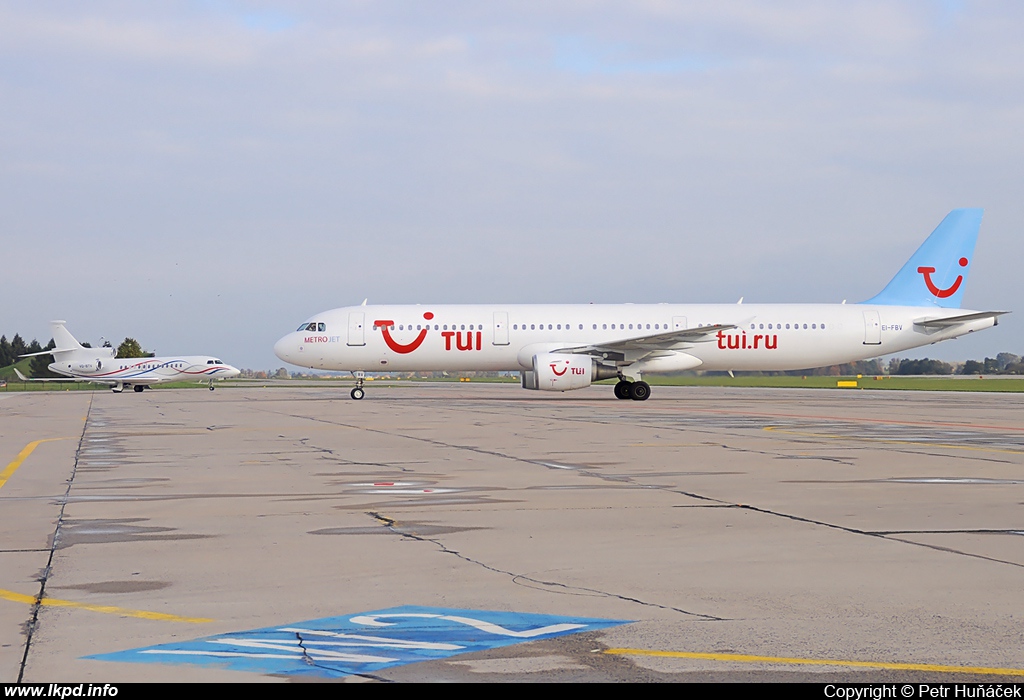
x,y
99,365
561,347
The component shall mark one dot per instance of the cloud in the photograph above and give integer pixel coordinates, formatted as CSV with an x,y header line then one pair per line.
x,y
292,160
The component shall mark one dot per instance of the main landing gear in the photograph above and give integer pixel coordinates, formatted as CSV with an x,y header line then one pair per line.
x,y
638,391
358,392
139,388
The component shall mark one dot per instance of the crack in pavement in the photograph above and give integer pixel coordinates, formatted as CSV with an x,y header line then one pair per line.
x,y
310,661
516,578
30,626
764,511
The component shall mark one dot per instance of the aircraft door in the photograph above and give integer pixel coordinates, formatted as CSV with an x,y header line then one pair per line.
x,y
501,328
679,323
872,328
356,334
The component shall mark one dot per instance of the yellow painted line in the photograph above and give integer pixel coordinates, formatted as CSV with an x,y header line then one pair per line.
x,y
746,658
124,612
891,442
22,456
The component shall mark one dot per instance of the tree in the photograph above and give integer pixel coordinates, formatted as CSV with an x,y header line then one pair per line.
x,y
17,346
131,348
6,354
925,366
1005,359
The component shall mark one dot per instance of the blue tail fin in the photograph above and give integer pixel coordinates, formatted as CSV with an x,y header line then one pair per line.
x,y
935,275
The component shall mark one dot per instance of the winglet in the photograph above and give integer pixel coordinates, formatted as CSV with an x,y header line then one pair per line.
x,y
21,376
936,273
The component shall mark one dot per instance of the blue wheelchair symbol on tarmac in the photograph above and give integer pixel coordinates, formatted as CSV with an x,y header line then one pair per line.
x,y
363,643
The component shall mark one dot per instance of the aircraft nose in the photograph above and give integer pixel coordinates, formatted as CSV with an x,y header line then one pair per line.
x,y
283,348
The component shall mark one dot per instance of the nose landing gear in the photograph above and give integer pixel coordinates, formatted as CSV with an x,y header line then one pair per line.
x,y
358,392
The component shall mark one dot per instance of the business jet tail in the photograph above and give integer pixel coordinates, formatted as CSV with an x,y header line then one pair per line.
x,y
62,338
936,274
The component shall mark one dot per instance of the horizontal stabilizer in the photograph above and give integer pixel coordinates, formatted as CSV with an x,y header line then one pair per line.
x,y
957,320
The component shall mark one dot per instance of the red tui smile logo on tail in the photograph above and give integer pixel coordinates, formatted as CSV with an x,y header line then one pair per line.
x,y
942,293
385,328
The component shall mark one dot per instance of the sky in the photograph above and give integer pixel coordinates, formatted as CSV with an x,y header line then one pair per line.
x,y
204,175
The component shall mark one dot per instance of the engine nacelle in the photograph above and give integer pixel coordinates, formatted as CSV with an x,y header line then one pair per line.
x,y
564,372
79,366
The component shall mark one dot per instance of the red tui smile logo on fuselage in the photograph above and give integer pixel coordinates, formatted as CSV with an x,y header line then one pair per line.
x,y
942,293
385,329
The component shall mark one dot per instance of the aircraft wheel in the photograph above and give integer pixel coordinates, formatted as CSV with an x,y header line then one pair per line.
x,y
357,393
622,389
212,387
640,391
139,388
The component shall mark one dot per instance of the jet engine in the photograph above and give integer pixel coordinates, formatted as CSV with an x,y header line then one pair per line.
x,y
564,372
80,367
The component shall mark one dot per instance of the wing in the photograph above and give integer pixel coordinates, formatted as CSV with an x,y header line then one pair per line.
x,y
23,378
636,348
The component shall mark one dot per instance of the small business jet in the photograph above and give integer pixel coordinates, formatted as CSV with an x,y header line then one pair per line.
x,y
564,347
99,365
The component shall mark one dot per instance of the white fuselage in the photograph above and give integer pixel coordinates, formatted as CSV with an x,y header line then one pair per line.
x,y
507,337
94,367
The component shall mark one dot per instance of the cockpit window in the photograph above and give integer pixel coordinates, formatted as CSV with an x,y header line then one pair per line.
x,y
309,327
321,327
211,362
